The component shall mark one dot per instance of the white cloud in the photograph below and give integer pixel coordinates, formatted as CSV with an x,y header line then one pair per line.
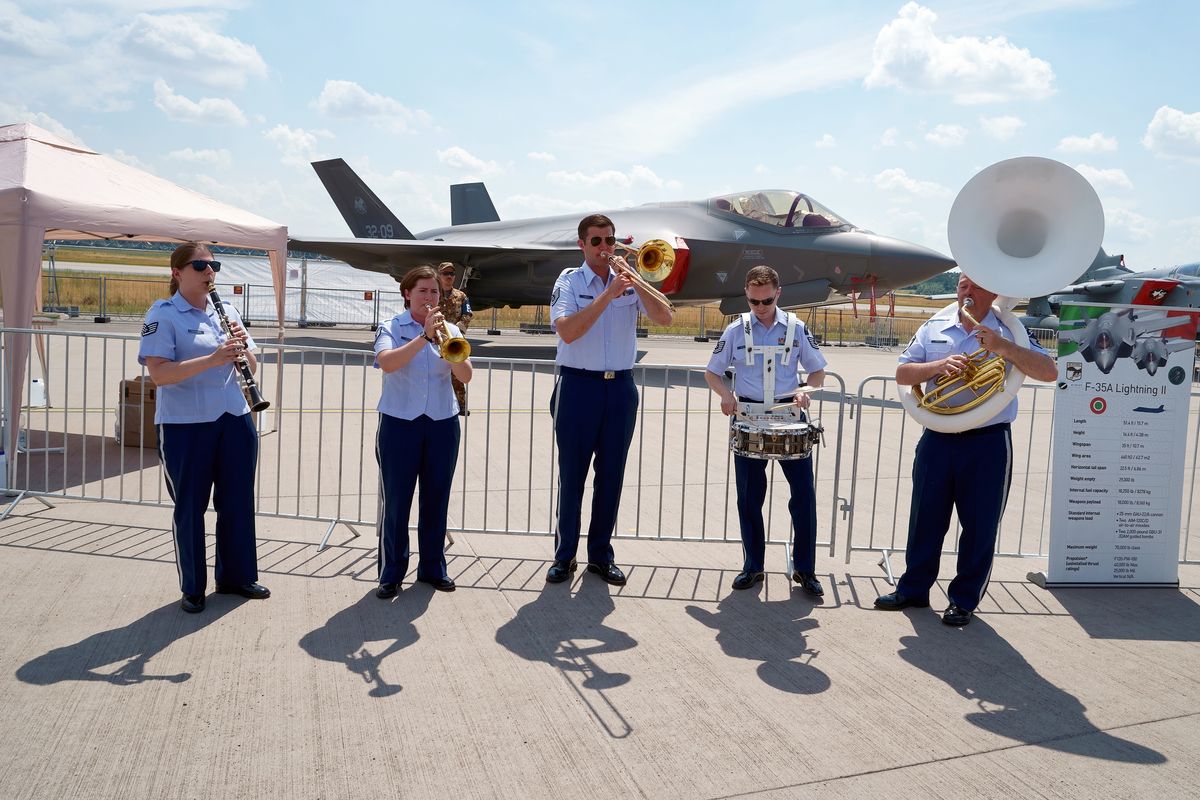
x,y
760,169
1174,134
16,112
1096,143
189,43
1104,178
297,146
909,55
218,158
889,138
1125,224
459,158
131,160
208,110
838,173
1001,128
540,156
348,101
638,176
947,135
825,142
522,205
897,179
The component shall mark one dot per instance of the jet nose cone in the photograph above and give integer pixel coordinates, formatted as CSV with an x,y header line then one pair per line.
x,y
901,263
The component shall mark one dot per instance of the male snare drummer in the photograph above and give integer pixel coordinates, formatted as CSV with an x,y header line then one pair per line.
x,y
767,348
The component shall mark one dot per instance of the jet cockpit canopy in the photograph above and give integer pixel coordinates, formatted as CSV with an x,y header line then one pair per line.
x,y
778,207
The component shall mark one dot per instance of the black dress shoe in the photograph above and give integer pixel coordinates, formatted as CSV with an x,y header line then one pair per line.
x,y
386,591
896,601
956,616
809,583
609,572
560,570
745,580
192,603
441,584
252,591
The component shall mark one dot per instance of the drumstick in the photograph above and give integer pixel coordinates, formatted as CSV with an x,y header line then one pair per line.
x,y
801,390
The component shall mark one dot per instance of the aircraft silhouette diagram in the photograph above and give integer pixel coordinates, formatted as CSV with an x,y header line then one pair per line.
x,y
820,256
1127,333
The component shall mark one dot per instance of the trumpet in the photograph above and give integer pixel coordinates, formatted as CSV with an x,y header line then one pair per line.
x,y
257,402
454,349
655,259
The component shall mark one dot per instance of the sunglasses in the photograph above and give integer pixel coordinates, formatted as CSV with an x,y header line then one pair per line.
x,y
200,265
608,240
766,302
446,274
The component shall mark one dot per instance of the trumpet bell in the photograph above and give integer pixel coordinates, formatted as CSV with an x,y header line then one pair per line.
x,y
455,350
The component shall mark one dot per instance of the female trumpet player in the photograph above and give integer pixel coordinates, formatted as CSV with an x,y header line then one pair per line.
x,y
206,435
418,433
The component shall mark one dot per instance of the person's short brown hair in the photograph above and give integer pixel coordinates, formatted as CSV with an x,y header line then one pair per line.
x,y
762,275
181,257
446,267
412,276
595,221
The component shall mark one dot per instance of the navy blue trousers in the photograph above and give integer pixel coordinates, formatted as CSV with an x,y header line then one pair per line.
x,y
410,453
593,423
212,459
969,472
751,477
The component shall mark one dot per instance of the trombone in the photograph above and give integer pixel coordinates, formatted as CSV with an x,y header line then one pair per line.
x,y
655,259
454,349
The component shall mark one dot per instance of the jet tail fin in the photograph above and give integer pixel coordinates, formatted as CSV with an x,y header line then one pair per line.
x,y
365,213
470,202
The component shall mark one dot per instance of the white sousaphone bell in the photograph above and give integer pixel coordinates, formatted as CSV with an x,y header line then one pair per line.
x,y
1024,227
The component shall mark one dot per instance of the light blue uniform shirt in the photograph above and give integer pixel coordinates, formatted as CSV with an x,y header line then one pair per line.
x,y
611,342
748,379
422,386
176,330
943,335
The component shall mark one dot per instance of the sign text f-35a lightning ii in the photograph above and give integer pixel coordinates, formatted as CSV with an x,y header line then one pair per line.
x,y
819,255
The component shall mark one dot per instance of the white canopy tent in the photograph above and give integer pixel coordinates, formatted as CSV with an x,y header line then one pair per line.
x,y
52,189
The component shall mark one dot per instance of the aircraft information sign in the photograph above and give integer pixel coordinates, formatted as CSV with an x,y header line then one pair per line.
x,y
1120,437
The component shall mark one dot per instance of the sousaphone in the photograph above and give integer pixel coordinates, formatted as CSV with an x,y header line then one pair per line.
x,y
1024,227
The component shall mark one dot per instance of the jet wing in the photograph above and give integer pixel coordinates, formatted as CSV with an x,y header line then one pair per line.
x,y
1144,324
1091,287
388,255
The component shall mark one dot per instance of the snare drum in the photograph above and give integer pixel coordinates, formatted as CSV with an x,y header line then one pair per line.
x,y
773,442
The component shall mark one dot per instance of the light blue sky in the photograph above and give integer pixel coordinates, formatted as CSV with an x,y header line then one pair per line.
x,y
880,110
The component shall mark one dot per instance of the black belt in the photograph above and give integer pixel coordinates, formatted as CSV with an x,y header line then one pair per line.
x,y
606,375
784,399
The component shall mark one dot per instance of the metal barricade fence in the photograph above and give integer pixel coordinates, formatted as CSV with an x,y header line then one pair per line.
x,y
316,452
884,445
316,455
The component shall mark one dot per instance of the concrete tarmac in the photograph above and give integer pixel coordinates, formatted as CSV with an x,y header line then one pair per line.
x,y
673,686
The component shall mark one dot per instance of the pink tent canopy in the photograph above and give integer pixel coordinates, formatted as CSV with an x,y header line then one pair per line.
x,y
53,189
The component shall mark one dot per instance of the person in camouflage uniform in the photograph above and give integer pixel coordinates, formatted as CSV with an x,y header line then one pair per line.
x,y
456,308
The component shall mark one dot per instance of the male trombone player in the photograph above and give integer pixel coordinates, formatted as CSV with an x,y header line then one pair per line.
x,y
594,311
969,470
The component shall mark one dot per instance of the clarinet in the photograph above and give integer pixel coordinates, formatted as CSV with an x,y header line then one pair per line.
x,y
257,402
